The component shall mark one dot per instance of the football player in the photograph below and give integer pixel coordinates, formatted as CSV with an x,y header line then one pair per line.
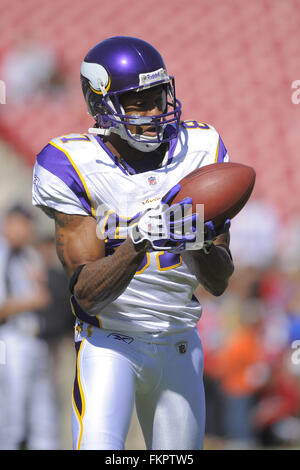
x,y
133,261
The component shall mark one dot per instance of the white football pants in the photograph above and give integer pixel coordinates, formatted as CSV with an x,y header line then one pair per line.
x,y
164,376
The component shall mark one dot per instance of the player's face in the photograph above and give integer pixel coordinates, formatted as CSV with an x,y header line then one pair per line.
x,y
146,103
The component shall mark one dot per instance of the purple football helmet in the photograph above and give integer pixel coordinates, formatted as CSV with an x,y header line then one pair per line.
x,y
121,64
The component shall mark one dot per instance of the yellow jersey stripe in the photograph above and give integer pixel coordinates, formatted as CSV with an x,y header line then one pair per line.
x,y
217,152
80,416
78,173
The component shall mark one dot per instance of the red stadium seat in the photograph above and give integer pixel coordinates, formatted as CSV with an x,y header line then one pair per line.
x,y
234,68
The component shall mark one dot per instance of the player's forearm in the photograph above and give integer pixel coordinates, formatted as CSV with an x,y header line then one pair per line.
x,y
101,282
212,270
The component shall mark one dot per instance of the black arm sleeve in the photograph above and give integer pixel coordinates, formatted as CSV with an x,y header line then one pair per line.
x,y
75,277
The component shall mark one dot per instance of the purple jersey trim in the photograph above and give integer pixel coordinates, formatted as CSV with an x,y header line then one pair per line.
x,y
169,259
147,164
76,389
81,315
222,151
194,299
56,162
144,165
173,143
113,157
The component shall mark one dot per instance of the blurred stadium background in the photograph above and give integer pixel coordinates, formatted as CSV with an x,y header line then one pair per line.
x,y
234,64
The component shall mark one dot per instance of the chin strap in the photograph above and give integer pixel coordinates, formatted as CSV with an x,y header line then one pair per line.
x,y
98,130
135,142
143,146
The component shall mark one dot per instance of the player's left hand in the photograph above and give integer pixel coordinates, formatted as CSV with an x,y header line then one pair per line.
x,y
168,227
205,242
175,240
211,233
163,226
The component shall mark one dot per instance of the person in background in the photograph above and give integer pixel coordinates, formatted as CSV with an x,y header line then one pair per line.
x,y
28,411
39,63
243,369
275,416
56,318
57,329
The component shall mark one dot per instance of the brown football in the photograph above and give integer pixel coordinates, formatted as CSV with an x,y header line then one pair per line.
x,y
223,188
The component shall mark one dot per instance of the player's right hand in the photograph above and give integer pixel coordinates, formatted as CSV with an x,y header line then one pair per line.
x,y
170,227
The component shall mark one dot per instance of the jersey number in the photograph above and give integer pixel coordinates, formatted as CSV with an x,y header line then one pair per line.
x,y
66,139
194,125
164,259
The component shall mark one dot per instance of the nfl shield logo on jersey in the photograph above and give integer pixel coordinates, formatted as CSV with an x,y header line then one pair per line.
x,y
152,180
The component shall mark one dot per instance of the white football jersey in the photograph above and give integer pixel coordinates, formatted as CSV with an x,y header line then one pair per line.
x,y
77,174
